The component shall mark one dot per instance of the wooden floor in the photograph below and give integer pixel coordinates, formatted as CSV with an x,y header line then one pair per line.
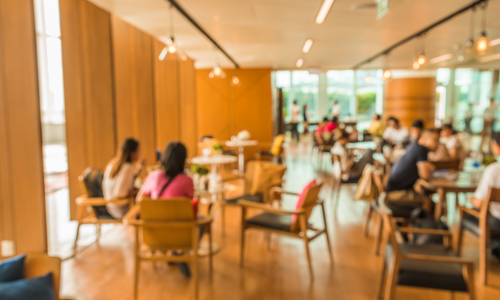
x,y
105,271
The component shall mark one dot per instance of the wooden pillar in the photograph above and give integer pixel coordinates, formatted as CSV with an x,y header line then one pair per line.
x,y
22,197
409,99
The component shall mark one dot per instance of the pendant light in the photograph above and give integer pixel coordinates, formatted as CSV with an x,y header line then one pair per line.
x,y
171,45
469,45
421,58
235,80
415,65
482,44
387,72
368,79
217,71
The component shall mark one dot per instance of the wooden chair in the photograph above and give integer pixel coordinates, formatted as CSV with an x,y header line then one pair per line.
x,y
451,164
422,266
275,154
87,215
478,223
337,183
167,225
279,221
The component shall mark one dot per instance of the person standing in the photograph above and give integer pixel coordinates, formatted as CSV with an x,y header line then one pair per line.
x,y
305,118
336,109
489,120
295,115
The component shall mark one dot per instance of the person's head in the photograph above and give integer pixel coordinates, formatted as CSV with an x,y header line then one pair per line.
x,y
295,102
417,127
305,106
492,100
393,122
495,144
376,117
174,158
343,137
447,130
335,120
335,102
128,153
325,120
429,139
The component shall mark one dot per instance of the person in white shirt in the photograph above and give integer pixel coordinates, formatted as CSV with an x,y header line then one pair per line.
x,y
490,179
394,134
452,143
488,121
295,114
119,177
336,109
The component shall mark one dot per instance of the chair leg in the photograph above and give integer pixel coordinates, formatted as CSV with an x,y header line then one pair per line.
x,y
460,238
326,234
75,246
484,247
382,279
368,218
242,247
391,279
337,198
223,221
196,277
268,237
210,257
97,232
380,233
136,263
303,226
470,282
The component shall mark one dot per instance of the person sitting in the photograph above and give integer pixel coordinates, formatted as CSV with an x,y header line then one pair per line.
x,y
395,134
414,163
376,127
324,132
452,143
119,177
171,182
417,127
351,171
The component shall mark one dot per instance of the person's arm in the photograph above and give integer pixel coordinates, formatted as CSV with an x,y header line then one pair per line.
x,y
482,189
453,152
425,169
146,188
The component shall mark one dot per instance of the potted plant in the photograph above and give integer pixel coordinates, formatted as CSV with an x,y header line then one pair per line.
x,y
199,176
217,149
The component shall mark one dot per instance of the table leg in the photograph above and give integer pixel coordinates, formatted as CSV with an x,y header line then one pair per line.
x,y
241,159
213,184
438,210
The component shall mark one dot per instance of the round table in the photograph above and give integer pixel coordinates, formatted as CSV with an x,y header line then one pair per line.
x,y
213,161
241,153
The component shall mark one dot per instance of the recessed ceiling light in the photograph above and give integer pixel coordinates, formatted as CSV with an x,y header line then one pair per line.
x,y
323,12
495,42
441,58
299,63
307,45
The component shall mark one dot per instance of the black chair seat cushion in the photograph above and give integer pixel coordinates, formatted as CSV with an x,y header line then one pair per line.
x,y
266,153
471,223
102,213
270,220
258,198
432,275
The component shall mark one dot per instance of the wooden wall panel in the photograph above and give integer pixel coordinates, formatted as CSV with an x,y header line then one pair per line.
x,y
166,97
22,198
187,102
133,82
224,110
88,89
409,99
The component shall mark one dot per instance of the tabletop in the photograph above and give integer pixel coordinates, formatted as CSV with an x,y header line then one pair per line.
x,y
463,181
211,160
363,145
242,143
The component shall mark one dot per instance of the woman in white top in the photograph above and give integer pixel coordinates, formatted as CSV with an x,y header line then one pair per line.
x,y
394,134
118,181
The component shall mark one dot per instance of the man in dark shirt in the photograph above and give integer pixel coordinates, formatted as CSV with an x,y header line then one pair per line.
x,y
413,164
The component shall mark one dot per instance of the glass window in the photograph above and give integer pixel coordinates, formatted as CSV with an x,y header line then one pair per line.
x,y
305,91
369,94
340,87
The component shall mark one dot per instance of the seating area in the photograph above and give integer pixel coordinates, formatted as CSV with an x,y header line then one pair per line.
x,y
253,150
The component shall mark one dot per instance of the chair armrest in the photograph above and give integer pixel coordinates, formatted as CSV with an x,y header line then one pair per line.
x,y
130,217
424,231
435,258
280,191
267,208
469,211
86,201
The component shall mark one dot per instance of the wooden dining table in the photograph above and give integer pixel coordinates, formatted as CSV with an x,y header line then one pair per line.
x,y
370,145
465,182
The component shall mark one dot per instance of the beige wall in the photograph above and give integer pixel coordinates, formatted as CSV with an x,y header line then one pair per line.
x,y
22,202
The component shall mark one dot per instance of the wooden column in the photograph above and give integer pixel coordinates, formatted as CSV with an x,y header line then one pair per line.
x,y
409,99
88,89
22,197
187,103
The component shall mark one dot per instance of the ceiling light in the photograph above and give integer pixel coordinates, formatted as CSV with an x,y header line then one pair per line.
x,y
482,43
163,53
441,58
368,79
307,45
235,81
172,47
416,65
217,72
323,12
461,58
387,74
299,63
421,59
495,42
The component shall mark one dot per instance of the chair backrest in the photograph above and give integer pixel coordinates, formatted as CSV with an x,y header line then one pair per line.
x,y
310,201
377,179
39,264
451,164
176,212
91,182
251,169
492,196
277,146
